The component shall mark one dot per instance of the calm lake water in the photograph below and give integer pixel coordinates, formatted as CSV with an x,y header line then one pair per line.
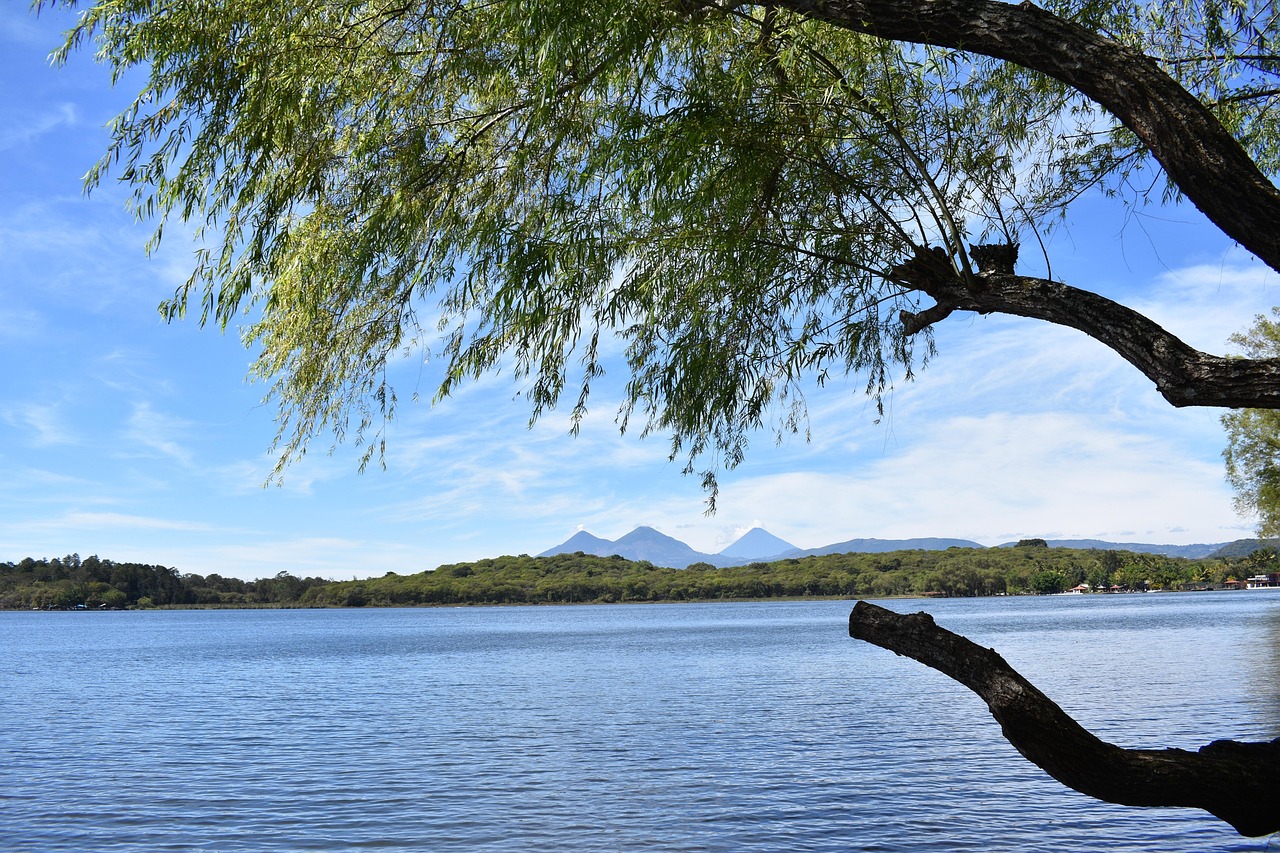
x,y
718,727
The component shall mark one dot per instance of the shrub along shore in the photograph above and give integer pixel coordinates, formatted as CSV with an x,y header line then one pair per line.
x,y
72,583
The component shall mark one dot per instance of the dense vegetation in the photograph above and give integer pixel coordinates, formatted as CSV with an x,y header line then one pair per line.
x,y
954,572
71,582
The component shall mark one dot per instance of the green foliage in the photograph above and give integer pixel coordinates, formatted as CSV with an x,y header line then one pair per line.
x,y
69,582
1253,438
581,578
508,184
1047,582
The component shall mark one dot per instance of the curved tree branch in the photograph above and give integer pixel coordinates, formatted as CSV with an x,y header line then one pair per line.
x,y
1200,156
1183,375
1235,782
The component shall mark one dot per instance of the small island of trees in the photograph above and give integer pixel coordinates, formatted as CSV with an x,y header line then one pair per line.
x,y
71,583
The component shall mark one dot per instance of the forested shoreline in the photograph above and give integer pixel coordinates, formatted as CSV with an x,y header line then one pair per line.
x,y
72,583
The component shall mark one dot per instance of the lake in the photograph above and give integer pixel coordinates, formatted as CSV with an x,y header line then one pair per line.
x,y
686,727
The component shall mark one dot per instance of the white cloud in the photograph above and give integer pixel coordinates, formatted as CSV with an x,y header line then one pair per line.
x,y
20,27
1001,477
1206,303
131,371
333,557
158,432
45,423
30,129
116,521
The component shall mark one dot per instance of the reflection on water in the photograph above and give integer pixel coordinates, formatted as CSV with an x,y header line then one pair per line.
x,y
725,727
1261,660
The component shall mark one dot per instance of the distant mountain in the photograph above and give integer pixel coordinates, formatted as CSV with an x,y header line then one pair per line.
x,y
581,541
757,544
1244,547
881,546
1190,552
643,543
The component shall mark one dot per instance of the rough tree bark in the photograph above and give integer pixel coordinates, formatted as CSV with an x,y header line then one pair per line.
x,y
1235,782
1183,374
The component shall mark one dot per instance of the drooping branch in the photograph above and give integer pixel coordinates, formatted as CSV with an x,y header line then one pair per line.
x,y
1183,374
1200,156
1235,782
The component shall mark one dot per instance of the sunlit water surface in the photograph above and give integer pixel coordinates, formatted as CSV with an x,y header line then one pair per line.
x,y
717,727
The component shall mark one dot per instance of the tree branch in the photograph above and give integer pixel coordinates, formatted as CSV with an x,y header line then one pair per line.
x,y
1200,156
913,322
1235,782
1183,375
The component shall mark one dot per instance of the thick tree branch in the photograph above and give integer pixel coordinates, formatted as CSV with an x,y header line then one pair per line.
x,y
1183,374
1199,155
1236,782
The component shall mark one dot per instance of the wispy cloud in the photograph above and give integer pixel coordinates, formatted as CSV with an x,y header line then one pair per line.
x,y
18,26
26,131
158,432
20,324
337,558
989,479
1204,304
133,371
44,424
118,521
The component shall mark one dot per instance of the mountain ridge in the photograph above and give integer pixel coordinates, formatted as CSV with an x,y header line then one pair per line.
x,y
1191,552
755,544
647,544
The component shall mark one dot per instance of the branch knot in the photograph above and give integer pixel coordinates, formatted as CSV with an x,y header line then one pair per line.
x,y
995,258
926,269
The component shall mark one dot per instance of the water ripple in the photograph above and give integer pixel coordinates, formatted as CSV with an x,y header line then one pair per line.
x,y
686,728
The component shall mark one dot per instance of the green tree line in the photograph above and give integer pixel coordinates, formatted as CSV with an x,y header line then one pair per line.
x,y
93,583
70,582
578,577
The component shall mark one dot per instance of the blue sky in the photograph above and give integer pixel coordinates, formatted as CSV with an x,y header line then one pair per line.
x,y
134,440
